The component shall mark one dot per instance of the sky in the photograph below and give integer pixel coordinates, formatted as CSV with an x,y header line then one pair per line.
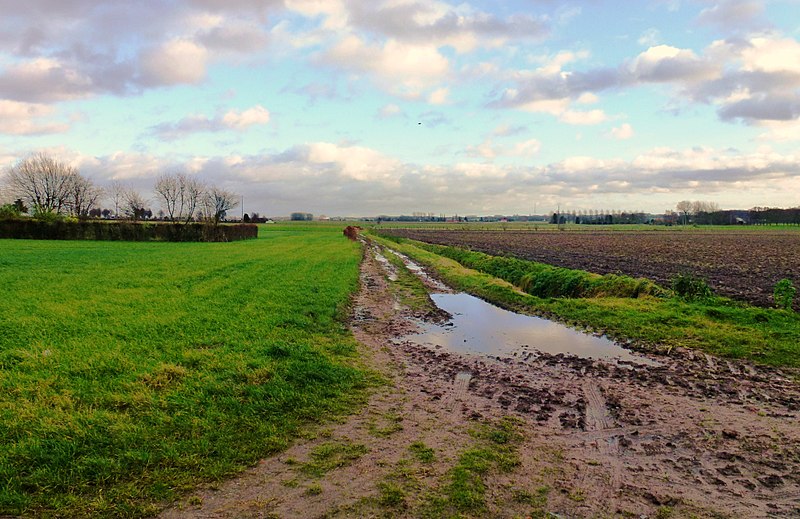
x,y
356,108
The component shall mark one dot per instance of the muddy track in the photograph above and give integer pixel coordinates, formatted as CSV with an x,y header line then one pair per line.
x,y
694,435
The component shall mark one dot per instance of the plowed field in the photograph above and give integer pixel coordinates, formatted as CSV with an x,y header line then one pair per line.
x,y
741,265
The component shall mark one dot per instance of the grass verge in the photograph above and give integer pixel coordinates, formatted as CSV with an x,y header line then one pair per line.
x,y
715,325
131,372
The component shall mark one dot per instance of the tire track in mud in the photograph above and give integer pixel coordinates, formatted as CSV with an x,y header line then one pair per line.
x,y
599,420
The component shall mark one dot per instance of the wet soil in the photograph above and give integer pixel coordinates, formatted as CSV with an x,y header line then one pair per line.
x,y
694,436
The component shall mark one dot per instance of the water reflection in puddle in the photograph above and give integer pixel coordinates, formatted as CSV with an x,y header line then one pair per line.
x,y
482,328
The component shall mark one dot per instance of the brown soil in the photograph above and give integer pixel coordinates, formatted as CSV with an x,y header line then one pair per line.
x,y
743,265
696,436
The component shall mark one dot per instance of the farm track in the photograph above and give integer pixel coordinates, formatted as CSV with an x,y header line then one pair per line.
x,y
739,265
696,435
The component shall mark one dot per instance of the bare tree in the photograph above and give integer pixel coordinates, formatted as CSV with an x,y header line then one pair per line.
x,y
117,195
685,208
179,195
83,195
704,206
134,204
43,182
217,202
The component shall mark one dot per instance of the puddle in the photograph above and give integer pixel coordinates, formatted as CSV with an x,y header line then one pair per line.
x,y
479,327
387,266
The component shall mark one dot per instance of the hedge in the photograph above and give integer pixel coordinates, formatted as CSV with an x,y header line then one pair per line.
x,y
28,228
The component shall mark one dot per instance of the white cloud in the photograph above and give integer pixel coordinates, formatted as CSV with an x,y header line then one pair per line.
x,y
327,177
623,132
178,61
257,115
390,110
489,150
402,69
589,117
439,96
198,123
27,119
650,37
356,162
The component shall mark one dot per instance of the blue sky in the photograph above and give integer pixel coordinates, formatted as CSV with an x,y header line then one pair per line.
x,y
399,106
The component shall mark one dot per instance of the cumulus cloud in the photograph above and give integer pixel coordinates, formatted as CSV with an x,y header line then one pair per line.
x,y
70,49
28,119
230,120
734,15
174,62
348,179
439,23
490,150
755,79
44,80
622,132
404,69
439,96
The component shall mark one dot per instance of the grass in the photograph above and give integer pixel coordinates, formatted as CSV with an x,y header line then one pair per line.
x,y
408,288
132,372
332,455
544,280
495,449
715,325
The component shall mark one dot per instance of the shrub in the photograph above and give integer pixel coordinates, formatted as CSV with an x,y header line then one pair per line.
x,y
691,287
784,293
8,211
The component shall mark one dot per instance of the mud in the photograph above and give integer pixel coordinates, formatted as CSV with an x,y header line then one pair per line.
x,y
694,436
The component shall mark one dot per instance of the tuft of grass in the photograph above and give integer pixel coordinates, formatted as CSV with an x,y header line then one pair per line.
x,y
313,490
332,455
391,495
133,372
465,490
423,453
393,424
537,500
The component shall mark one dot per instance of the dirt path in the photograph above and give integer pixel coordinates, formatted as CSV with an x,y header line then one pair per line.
x,y
695,436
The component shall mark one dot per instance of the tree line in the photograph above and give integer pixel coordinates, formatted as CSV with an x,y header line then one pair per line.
x,y
48,189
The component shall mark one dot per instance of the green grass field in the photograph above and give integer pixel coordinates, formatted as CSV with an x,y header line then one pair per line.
x,y
130,372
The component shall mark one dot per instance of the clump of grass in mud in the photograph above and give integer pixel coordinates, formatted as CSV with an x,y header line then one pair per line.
x,y
716,325
408,288
332,455
392,423
464,491
423,453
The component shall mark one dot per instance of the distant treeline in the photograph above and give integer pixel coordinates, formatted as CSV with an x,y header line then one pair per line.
x,y
32,229
754,216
